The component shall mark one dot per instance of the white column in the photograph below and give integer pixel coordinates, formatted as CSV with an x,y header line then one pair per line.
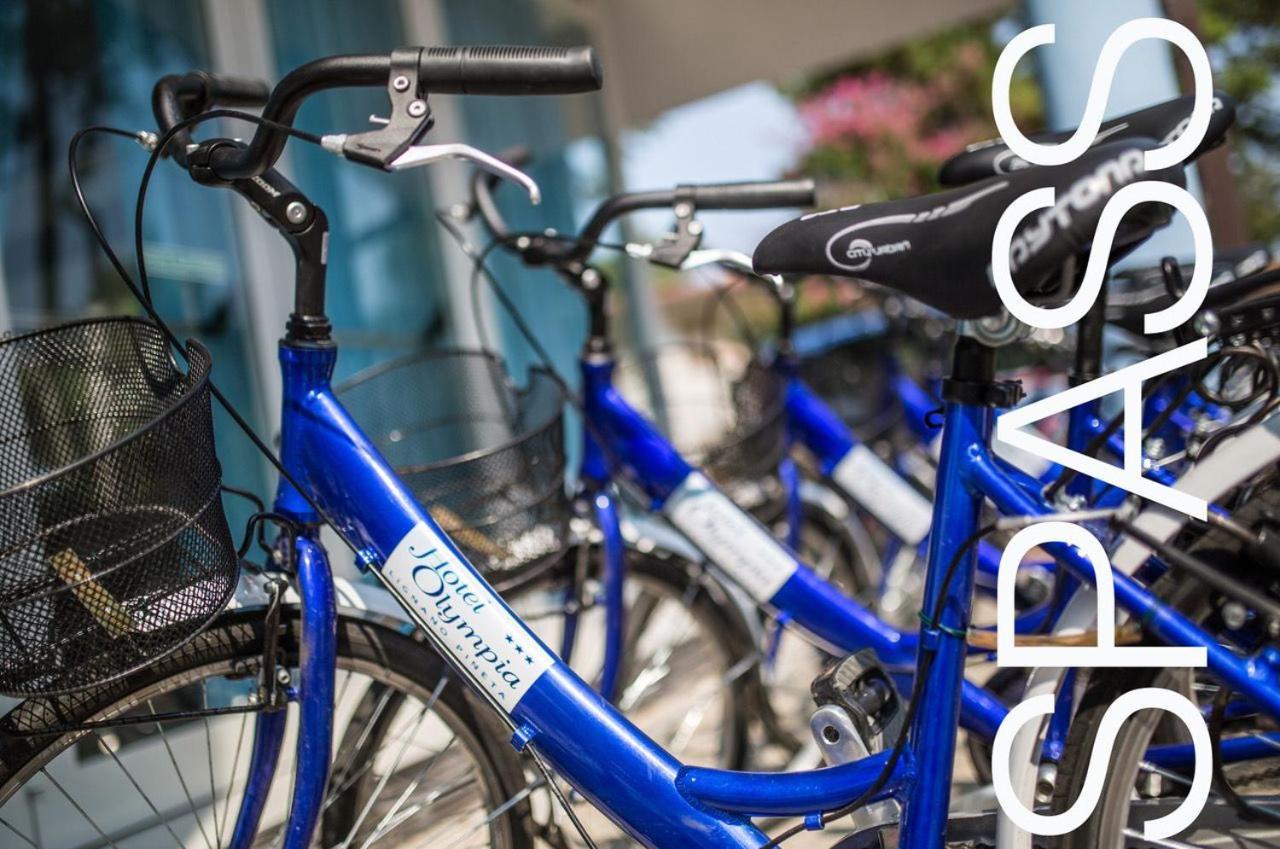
x,y
424,25
1145,76
240,44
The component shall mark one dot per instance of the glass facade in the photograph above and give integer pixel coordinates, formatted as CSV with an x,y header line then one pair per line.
x,y
385,285
387,291
538,124
56,79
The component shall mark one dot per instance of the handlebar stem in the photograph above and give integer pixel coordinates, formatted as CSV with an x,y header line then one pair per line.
x,y
303,224
305,227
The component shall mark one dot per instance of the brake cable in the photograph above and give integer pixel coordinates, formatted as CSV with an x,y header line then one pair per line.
x,y
145,301
142,288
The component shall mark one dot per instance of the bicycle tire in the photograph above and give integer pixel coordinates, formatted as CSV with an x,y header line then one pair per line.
x,y
231,650
1112,814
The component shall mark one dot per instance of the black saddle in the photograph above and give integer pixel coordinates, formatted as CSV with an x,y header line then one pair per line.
x,y
937,248
1163,122
1238,276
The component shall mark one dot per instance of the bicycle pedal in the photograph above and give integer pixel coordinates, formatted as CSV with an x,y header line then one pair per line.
x,y
859,708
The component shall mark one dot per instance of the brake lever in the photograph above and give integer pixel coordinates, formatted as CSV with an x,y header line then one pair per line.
x,y
717,256
734,260
425,154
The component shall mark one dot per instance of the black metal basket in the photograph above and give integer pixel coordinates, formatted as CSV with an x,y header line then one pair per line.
x,y
114,548
484,456
726,417
852,379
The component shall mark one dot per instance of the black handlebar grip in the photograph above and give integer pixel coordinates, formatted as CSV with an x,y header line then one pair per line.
x,y
510,70
235,91
777,194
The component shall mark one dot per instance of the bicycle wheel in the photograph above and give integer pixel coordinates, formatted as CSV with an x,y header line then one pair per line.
x,y
688,667
683,679
414,764
1132,784
827,543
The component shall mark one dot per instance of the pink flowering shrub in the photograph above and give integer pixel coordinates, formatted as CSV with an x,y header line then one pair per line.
x,y
881,129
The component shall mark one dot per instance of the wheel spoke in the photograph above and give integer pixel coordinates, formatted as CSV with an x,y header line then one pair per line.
x,y
369,725
1147,766
386,776
92,823
208,748
1163,843
688,726
1270,741
102,743
383,825
423,775
231,783
656,666
173,759
502,809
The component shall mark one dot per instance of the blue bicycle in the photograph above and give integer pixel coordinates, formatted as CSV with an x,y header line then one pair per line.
x,y
417,748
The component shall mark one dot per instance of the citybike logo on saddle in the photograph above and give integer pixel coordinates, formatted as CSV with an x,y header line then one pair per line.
x,y
860,252
465,616
1010,249
1007,161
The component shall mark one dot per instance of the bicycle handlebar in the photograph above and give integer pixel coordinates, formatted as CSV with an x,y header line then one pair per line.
x,y
179,96
772,194
510,70
444,70
751,195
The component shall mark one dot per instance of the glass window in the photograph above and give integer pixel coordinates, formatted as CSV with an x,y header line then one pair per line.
x,y
385,292
65,65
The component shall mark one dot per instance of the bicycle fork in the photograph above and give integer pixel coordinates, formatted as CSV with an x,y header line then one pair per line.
x,y
314,693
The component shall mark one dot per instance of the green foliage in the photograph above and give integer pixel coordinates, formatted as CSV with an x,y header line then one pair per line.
x,y
1243,37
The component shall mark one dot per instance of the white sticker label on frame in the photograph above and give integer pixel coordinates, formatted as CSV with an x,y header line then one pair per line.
x,y
463,612
874,485
731,538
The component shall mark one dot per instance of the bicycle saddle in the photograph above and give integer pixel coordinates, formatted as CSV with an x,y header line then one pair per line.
x,y
936,248
1238,277
1164,122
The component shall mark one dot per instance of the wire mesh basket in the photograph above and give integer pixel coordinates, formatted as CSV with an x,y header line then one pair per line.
x,y
722,408
852,379
114,548
484,456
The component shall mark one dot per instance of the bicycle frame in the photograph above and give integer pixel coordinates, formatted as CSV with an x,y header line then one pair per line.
x,y
610,761
651,795
842,460
643,788
635,448
862,477
649,460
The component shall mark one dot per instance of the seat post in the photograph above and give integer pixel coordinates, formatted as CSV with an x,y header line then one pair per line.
x,y
1088,358
1082,419
970,396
